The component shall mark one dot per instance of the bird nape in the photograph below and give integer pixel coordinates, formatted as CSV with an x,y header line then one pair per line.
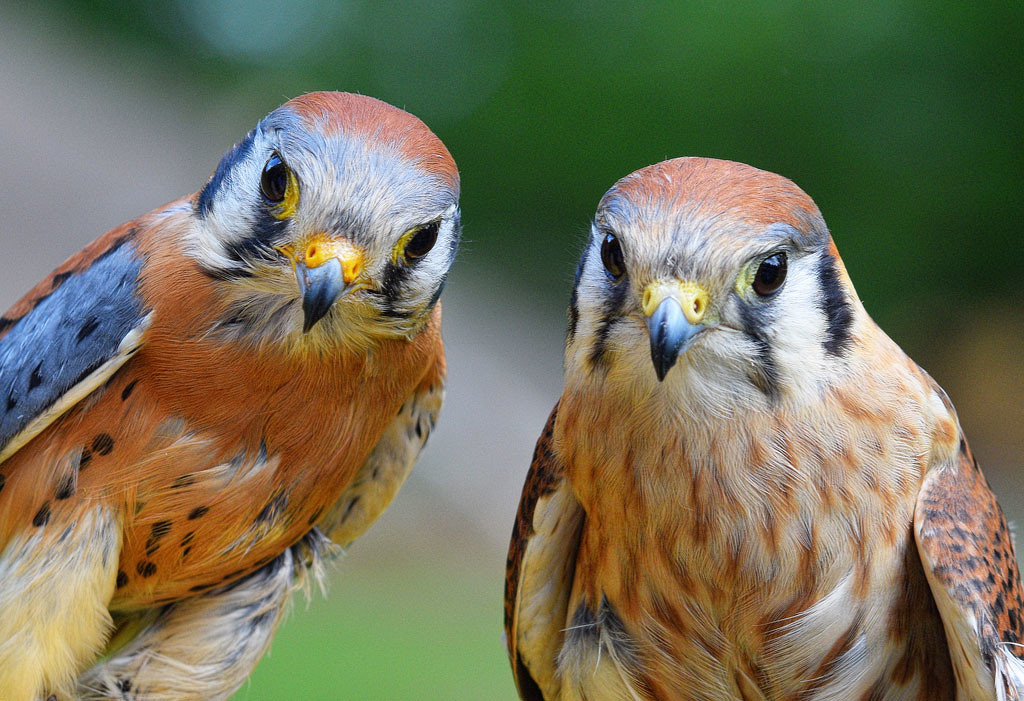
x,y
746,489
203,402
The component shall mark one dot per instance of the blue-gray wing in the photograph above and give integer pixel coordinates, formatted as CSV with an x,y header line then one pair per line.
x,y
68,336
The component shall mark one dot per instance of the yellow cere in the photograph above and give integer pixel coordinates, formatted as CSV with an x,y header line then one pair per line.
x,y
692,298
291,199
321,248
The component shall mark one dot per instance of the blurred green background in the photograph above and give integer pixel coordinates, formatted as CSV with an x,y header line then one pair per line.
x,y
903,120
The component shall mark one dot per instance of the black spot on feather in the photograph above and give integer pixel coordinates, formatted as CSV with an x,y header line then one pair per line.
x,y
103,443
86,329
66,487
183,481
160,529
42,516
197,512
36,379
128,389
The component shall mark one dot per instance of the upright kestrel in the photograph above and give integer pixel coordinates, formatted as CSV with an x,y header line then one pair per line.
x,y
782,507
194,403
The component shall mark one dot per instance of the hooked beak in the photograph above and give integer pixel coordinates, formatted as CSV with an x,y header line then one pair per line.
x,y
326,269
675,313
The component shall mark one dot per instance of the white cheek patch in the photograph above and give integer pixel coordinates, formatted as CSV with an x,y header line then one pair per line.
x,y
229,216
798,330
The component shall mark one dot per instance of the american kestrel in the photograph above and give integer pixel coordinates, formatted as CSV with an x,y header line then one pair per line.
x,y
747,490
192,405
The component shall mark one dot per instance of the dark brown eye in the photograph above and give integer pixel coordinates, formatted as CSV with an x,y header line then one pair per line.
x,y
611,256
274,181
422,241
770,275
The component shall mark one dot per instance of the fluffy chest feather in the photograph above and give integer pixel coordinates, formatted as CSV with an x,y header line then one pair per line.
x,y
756,554
273,453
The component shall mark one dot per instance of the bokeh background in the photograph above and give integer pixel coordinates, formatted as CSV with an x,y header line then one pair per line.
x,y
902,119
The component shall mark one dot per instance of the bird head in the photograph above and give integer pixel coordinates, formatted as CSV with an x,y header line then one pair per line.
x,y
335,219
712,275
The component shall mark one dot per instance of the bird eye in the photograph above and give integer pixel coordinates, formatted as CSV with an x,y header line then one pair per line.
x,y
422,241
274,181
770,275
611,256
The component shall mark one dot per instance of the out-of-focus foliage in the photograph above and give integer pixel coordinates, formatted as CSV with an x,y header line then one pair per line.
x,y
902,119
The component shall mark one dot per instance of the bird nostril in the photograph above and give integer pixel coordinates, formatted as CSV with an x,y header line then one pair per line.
x,y
698,305
317,255
647,298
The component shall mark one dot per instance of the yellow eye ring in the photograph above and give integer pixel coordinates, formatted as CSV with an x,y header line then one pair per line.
x,y
416,243
279,187
763,276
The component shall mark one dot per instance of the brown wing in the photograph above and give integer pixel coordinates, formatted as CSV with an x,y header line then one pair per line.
x,y
968,558
538,576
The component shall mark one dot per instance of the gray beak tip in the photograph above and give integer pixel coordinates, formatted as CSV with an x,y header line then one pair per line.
x,y
320,288
670,332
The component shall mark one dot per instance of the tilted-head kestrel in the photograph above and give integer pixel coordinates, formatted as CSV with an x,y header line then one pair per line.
x,y
782,507
192,402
